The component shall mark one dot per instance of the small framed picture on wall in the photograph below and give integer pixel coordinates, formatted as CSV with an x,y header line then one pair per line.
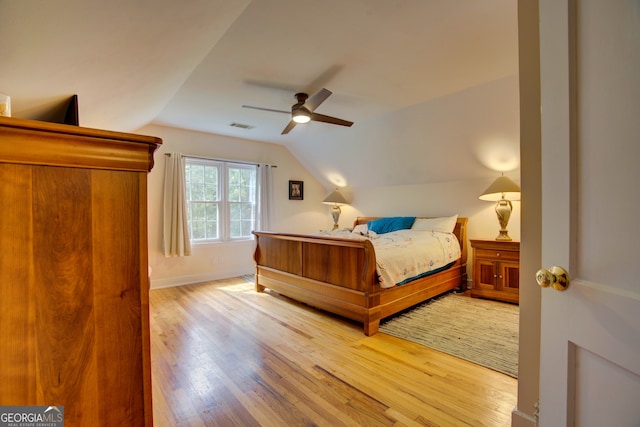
x,y
296,190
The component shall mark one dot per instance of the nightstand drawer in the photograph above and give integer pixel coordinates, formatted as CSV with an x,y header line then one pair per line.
x,y
497,254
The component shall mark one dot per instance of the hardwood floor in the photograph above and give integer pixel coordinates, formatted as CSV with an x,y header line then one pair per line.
x,y
225,355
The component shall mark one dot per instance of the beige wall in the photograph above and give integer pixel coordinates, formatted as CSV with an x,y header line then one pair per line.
x,y
438,199
222,260
465,135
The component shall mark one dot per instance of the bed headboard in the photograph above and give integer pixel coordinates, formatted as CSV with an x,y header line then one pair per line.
x,y
460,230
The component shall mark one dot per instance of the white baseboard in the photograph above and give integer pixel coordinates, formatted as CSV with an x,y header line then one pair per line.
x,y
170,282
521,419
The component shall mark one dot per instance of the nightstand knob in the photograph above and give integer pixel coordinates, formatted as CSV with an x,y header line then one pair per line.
x,y
557,277
497,253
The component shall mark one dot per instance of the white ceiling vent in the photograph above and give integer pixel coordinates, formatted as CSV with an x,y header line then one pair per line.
x,y
241,125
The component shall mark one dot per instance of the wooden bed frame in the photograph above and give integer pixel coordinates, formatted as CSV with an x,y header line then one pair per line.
x,y
339,275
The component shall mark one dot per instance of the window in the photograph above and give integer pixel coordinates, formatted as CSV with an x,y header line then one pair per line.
x,y
221,200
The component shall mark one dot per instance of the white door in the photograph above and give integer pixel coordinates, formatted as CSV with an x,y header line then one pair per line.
x,y
590,79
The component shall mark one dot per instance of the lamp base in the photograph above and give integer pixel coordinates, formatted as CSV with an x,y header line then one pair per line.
x,y
503,236
503,210
335,213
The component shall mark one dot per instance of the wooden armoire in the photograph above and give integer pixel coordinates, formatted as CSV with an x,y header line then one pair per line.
x,y
74,287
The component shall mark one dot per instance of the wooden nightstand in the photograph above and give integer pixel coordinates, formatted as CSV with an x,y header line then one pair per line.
x,y
496,270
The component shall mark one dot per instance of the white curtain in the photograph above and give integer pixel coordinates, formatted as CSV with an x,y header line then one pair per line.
x,y
265,201
175,230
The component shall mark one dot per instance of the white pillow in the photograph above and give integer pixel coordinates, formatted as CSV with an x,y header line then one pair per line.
x,y
445,224
360,229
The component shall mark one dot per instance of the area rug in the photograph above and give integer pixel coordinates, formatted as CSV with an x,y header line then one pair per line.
x,y
480,331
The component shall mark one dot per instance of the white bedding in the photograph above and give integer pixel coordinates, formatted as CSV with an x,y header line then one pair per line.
x,y
404,254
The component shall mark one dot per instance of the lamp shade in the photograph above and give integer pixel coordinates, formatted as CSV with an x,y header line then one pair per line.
x,y
335,197
502,187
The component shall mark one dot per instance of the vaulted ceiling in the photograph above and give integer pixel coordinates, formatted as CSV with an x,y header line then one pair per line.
x,y
389,63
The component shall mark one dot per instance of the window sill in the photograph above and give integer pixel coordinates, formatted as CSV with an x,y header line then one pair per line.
x,y
217,242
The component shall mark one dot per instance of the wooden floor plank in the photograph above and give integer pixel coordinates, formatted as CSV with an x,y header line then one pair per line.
x,y
223,354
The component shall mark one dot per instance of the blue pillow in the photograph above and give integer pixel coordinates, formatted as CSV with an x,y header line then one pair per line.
x,y
387,225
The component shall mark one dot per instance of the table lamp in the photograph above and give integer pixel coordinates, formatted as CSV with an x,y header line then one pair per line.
x,y
503,190
336,199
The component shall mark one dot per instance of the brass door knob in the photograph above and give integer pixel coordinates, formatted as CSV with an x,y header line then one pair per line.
x,y
556,276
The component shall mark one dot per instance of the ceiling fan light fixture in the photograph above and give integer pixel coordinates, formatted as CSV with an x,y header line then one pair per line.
x,y
301,115
304,112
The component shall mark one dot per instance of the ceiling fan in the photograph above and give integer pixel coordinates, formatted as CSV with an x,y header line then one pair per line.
x,y
303,110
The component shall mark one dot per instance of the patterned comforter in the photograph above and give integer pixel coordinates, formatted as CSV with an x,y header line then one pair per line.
x,y
406,254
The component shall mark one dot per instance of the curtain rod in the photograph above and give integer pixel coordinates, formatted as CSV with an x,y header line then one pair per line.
x,y
221,160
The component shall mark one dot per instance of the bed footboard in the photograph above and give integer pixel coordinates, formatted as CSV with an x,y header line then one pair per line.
x,y
339,275
346,263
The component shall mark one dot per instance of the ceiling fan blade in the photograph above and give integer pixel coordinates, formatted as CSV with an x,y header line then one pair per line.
x,y
267,109
317,98
288,128
328,119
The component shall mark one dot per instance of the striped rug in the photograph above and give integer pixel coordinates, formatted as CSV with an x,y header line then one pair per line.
x,y
480,331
